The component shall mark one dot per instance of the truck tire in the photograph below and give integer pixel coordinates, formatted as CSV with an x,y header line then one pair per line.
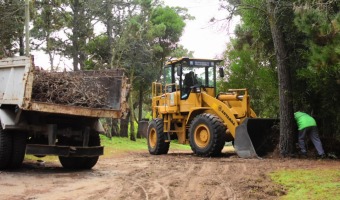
x,y
156,138
5,148
19,141
207,135
80,163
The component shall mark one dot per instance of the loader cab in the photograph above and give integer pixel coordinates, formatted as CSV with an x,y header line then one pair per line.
x,y
191,76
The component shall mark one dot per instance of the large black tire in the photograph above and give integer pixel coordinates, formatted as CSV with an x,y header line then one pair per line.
x,y
19,141
79,163
207,135
156,138
5,148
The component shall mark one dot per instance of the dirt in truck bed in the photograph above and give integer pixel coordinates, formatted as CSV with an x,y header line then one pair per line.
x,y
94,89
177,175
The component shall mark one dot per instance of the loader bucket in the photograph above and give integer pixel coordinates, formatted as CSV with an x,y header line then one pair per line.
x,y
256,137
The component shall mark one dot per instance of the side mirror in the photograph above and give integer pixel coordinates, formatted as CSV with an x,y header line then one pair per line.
x,y
221,72
179,71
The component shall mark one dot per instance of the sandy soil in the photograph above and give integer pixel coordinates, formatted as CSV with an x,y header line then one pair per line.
x,y
177,175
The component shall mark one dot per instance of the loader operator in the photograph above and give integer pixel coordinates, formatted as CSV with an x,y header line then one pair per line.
x,y
307,127
189,81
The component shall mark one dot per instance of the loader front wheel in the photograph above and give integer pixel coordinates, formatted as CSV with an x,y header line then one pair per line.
x,y
156,138
206,135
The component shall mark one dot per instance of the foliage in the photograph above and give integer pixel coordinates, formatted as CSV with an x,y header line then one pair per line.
x,y
168,26
12,27
180,51
320,23
309,184
312,40
245,71
50,18
249,58
82,28
98,49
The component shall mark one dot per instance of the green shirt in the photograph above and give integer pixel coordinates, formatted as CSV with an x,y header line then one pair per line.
x,y
304,120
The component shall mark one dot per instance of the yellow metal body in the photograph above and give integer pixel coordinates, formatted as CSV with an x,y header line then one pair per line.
x,y
232,107
153,137
186,106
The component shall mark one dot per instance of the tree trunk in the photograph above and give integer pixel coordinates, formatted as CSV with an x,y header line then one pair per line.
x,y
132,114
124,126
49,52
124,123
114,128
285,92
82,58
140,108
109,31
21,46
132,128
107,127
140,103
75,31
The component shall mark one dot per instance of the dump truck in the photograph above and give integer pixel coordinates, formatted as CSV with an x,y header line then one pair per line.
x,y
187,107
56,113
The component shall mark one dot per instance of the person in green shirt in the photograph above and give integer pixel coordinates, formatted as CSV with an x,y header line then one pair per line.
x,y
307,127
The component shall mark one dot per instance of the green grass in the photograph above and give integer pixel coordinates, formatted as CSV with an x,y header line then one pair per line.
x,y
309,184
46,158
118,145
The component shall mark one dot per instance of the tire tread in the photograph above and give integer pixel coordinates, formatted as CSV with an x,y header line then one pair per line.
x,y
217,133
5,148
162,147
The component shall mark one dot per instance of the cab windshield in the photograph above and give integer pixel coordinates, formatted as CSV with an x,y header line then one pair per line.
x,y
198,76
198,73
190,73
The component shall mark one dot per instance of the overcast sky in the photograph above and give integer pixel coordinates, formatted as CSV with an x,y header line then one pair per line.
x,y
205,39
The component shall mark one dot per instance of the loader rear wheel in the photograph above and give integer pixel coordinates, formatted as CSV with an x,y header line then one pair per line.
x,y
207,135
79,163
5,148
156,138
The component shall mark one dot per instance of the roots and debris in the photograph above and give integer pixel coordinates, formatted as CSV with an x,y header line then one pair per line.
x,y
94,89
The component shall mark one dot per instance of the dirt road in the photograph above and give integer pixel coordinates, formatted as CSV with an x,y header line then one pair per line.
x,y
178,175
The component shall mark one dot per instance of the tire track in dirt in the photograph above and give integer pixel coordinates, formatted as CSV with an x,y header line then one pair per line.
x,y
140,183
143,176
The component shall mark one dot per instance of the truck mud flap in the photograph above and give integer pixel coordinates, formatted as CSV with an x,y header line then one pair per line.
x,y
256,137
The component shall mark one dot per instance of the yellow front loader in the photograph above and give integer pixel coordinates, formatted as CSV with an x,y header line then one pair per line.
x,y
186,107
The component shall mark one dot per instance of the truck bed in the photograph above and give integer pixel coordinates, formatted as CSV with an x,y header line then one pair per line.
x,y
17,76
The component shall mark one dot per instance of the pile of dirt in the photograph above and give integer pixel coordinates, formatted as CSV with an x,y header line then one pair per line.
x,y
79,88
